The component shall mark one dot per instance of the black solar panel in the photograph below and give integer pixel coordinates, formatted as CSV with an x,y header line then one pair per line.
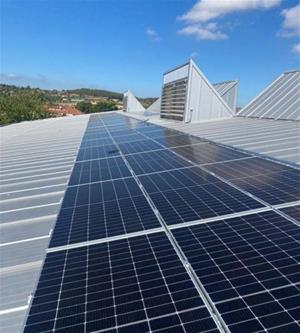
x,y
190,194
293,211
208,153
98,170
101,210
178,140
160,160
271,182
130,285
139,146
102,141
250,268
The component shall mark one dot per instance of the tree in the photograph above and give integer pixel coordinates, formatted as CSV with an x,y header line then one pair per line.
x,y
20,107
85,107
102,106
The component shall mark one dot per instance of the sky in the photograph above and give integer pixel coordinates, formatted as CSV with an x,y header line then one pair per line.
x,y
119,44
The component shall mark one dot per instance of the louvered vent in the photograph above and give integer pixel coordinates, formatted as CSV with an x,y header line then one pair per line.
x,y
173,99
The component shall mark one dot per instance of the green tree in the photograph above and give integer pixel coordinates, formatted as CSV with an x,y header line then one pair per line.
x,y
20,107
102,106
85,107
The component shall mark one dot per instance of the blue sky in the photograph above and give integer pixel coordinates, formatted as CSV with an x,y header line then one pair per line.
x,y
121,45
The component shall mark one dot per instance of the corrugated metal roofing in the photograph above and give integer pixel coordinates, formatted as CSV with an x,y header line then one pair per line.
x,y
228,91
36,160
280,100
223,87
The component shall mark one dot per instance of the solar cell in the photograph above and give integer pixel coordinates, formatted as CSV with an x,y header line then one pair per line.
x,y
98,170
250,268
101,210
131,285
191,194
293,211
161,160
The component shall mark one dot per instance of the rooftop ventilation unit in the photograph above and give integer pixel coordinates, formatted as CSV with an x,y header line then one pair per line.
x,y
188,96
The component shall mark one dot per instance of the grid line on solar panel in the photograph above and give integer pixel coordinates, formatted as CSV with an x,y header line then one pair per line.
x,y
98,170
102,210
138,283
245,262
192,194
292,211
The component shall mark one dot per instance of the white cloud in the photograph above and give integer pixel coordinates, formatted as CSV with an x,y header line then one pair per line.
x,y
199,17
205,10
208,31
194,55
291,23
296,49
154,36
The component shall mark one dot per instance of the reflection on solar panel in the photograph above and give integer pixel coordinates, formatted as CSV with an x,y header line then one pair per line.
x,y
293,212
208,153
178,140
250,267
120,260
278,184
130,285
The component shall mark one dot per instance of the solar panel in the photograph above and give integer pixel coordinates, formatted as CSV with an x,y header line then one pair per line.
x,y
279,186
155,161
98,170
293,211
138,146
250,268
92,153
178,140
101,210
131,285
208,153
191,194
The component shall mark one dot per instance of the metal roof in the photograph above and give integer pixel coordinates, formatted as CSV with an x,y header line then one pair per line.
x,y
223,87
280,100
36,160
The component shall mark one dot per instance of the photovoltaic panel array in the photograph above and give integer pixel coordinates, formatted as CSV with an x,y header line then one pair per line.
x,y
144,243
250,268
131,285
